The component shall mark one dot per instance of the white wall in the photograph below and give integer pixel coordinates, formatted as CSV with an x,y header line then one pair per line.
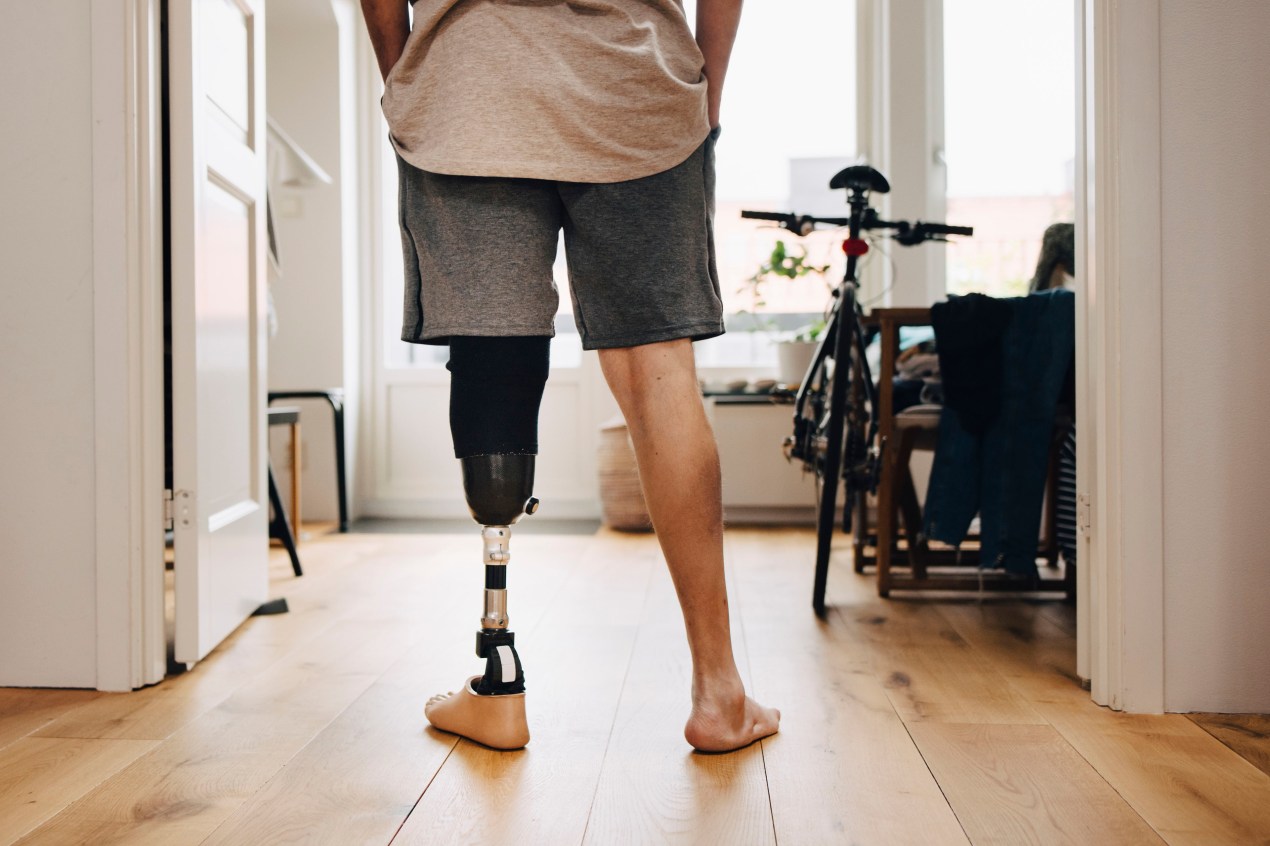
x,y
311,82
1215,181
47,506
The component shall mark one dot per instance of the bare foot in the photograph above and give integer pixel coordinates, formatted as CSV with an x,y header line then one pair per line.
x,y
728,721
494,721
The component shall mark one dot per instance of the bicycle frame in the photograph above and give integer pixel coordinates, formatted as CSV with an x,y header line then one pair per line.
x,y
846,298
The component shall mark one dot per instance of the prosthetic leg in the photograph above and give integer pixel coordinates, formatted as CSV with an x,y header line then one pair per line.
x,y
495,392
499,490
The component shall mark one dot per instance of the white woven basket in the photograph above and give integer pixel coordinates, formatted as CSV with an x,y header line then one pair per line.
x,y
621,497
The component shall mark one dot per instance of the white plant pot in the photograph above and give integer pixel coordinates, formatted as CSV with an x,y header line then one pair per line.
x,y
793,358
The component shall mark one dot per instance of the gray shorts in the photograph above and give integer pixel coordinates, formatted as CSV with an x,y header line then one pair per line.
x,y
479,251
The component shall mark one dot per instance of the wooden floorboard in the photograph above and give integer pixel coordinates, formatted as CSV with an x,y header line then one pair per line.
x,y
1184,783
1246,734
360,777
331,587
1023,645
843,768
156,712
931,672
191,782
188,784
1188,786
1023,784
653,788
25,710
575,664
921,719
39,776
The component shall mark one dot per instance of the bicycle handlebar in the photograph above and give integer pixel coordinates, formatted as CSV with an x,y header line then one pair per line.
x,y
758,215
943,229
906,233
799,224
918,231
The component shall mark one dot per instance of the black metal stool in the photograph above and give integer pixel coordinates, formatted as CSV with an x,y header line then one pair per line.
x,y
278,526
335,398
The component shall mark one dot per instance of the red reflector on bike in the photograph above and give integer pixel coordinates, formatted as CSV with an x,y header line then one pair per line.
x,y
855,246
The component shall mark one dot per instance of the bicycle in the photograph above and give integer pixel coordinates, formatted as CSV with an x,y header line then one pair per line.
x,y
835,432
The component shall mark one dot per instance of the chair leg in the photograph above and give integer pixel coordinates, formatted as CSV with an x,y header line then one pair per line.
x,y
278,527
912,511
886,519
341,483
296,520
860,537
909,510
1049,549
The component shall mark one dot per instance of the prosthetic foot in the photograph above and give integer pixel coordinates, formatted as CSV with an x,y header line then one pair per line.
x,y
494,721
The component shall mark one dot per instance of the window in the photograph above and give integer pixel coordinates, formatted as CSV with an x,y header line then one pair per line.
x,y
788,126
1009,95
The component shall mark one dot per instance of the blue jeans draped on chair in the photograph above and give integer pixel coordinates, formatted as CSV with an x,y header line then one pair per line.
x,y
1000,472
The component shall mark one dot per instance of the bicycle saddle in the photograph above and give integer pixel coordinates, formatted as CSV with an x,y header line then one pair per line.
x,y
860,178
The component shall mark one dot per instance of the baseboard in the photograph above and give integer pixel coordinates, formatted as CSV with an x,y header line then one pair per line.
x,y
769,515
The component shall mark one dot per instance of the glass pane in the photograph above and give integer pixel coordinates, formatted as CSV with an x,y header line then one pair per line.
x,y
789,121
227,80
1009,125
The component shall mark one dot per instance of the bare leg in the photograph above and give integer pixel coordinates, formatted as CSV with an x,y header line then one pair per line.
x,y
656,387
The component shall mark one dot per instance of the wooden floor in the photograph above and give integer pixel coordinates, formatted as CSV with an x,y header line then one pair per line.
x,y
909,721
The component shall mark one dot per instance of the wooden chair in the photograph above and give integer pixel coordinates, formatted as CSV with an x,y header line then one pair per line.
x,y
904,560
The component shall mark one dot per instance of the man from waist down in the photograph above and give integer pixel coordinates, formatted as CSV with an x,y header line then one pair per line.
x,y
512,120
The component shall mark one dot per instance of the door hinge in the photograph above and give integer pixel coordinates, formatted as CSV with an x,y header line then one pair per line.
x,y
167,509
1084,513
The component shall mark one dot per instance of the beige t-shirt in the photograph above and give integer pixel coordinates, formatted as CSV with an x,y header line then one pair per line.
x,y
571,90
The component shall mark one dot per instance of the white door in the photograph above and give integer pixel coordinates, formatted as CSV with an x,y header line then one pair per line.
x,y
217,211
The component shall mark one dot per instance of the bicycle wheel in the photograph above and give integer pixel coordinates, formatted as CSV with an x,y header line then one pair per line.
x,y
830,431
854,475
823,473
861,456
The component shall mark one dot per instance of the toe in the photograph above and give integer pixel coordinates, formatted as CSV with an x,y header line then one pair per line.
x,y
435,701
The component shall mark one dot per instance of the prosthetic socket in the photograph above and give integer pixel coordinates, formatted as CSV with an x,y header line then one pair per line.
x,y
495,391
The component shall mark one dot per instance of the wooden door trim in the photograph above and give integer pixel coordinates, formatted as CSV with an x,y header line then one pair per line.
x,y
128,343
1121,443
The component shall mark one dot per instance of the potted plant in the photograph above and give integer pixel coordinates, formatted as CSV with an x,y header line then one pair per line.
x,y
794,350
794,353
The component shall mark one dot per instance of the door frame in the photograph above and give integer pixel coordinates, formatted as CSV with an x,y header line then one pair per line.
x,y
1119,361
1120,581
1120,364
128,393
